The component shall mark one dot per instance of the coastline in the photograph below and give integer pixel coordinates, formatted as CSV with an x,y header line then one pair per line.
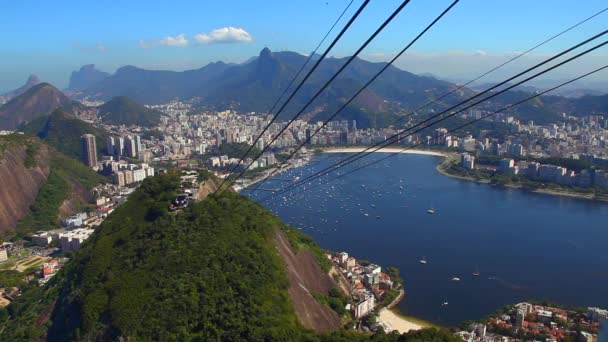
x,y
394,320
384,150
552,192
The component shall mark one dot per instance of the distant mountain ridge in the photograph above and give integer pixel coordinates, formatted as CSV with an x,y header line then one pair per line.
x,y
86,77
255,85
39,100
31,81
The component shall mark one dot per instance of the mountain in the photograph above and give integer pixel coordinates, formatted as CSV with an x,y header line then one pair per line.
x,y
86,77
154,86
220,270
37,101
38,185
255,85
62,130
121,110
31,81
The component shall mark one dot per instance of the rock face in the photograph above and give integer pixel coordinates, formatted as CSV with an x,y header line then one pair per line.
x,y
19,184
305,278
86,77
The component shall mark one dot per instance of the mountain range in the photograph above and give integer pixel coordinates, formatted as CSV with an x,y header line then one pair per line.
x,y
256,84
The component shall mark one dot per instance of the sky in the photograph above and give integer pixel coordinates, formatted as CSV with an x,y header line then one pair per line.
x,y
51,38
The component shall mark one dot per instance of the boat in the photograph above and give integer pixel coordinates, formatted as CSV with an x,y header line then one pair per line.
x,y
423,261
444,303
476,273
431,211
455,279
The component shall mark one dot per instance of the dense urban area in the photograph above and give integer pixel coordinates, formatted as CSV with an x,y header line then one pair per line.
x,y
569,153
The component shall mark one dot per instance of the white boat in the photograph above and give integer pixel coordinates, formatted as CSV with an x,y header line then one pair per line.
x,y
444,303
431,211
423,261
476,273
455,279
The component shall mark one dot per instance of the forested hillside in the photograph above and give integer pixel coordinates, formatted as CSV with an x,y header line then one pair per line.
x,y
206,273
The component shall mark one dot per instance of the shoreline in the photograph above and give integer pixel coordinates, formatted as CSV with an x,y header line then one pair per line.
x,y
550,192
391,318
395,320
384,150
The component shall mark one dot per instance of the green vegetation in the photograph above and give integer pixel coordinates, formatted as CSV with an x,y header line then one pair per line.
x,y
300,240
336,300
121,110
389,297
7,141
217,270
31,151
65,174
236,150
517,181
10,278
201,274
63,132
152,133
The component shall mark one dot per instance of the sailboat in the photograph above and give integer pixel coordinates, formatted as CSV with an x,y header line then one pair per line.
x,y
431,210
476,273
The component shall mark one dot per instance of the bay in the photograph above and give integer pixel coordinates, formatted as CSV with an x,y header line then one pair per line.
x,y
525,246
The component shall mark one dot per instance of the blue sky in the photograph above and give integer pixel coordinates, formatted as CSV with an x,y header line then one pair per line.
x,y
51,39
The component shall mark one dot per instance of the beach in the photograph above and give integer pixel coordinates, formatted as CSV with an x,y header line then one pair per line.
x,y
384,150
391,321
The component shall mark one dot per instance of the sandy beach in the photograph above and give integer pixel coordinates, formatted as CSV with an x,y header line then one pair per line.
x,y
384,150
391,321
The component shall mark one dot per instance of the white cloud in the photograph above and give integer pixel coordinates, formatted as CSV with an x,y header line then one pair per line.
x,y
224,35
179,40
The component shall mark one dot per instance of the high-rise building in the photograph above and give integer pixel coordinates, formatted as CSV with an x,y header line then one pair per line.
x,y
439,136
120,148
130,148
467,161
111,146
138,146
89,149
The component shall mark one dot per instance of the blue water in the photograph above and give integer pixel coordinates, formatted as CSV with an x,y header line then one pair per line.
x,y
525,245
